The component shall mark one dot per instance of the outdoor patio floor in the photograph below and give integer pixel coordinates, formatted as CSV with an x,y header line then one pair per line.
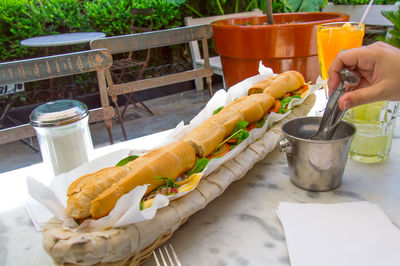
x,y
168,112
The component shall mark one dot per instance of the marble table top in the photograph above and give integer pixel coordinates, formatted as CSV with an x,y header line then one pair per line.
x,y
238,228
62,39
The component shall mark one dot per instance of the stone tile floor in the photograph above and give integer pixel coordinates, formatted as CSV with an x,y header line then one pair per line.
x,y
168,112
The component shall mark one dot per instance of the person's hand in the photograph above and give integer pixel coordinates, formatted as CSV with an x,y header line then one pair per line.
x,y
379,66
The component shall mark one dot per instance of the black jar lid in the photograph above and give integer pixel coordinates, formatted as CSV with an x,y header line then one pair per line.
x,y
58,113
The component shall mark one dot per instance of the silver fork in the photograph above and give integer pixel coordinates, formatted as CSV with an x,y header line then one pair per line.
x,y
169,254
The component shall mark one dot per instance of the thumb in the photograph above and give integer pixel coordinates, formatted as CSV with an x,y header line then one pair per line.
x,y
361,96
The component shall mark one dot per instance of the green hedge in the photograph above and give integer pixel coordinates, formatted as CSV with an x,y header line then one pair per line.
x,y
364,2
21,19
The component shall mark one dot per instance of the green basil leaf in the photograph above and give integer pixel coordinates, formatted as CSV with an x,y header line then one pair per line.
x,y
232,146
285,102
242,136
240,125
126,160
199,167
296,96
217,110
168,182
261,122
282,111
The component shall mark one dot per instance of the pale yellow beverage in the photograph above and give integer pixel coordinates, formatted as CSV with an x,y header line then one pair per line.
x,y
375,126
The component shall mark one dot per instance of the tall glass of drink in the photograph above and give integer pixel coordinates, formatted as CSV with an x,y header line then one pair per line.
x,y
332,38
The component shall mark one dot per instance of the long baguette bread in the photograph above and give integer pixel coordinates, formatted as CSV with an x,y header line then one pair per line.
x,y
205,138
259,87
169,161
210,134
86,188
286,82
95,195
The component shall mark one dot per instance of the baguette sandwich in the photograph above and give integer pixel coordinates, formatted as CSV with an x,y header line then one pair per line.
x,y
95,195
212,132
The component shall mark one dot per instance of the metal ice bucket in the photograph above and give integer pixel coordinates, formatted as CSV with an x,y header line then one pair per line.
x,y
315,165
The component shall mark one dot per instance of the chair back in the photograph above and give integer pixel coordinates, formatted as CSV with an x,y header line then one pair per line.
x,y
155,39
135,12
52,67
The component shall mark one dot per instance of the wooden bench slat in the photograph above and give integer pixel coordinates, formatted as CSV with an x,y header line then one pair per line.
x,y
26,131
153,39
54,66
145,84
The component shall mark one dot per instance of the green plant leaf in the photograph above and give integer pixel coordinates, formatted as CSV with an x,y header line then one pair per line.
x,y
176,2
168,182
240,125
393,36
199,167
126,160
304,5
216,111
244,134
261,122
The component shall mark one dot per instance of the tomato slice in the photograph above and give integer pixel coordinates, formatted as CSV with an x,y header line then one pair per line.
x,y
232,141
276,107
221,151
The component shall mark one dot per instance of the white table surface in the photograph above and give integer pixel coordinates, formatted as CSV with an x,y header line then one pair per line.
x,y
62,39
238,228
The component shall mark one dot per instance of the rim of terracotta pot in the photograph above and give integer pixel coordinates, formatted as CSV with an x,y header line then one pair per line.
x,y
326,18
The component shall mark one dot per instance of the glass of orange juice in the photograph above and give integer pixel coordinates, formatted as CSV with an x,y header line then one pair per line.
x,y
334,37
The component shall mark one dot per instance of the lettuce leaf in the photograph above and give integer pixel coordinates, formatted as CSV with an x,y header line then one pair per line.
x,y
127,160
216,111
199,167
240,125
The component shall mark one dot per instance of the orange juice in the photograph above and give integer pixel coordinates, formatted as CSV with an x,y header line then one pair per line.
x,y
335,37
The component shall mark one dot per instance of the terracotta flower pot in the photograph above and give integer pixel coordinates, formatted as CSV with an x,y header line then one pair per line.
x,y
289,44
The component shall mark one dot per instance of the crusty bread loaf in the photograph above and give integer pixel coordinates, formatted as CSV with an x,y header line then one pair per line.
x,y
169,161
266,101
205,138
286,82
259,87
212,132
253,107
227,119
95,195
86,188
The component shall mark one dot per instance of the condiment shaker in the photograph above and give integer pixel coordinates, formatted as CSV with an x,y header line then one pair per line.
x,y
63,133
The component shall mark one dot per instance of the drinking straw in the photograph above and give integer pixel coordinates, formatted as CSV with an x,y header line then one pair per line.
x,y
366,11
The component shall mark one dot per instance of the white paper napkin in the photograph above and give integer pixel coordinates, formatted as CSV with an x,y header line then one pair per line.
x,y
38,214
355,233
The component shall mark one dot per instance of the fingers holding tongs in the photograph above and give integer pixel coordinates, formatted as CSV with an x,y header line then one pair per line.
x,y
333,115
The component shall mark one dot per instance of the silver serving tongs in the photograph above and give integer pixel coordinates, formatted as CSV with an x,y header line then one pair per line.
x,y
333,115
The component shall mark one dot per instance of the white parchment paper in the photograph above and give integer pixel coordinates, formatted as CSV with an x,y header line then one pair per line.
x,y
127,210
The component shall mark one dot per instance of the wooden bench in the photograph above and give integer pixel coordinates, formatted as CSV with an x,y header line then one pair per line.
x,y
52,67
215,61
148,40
